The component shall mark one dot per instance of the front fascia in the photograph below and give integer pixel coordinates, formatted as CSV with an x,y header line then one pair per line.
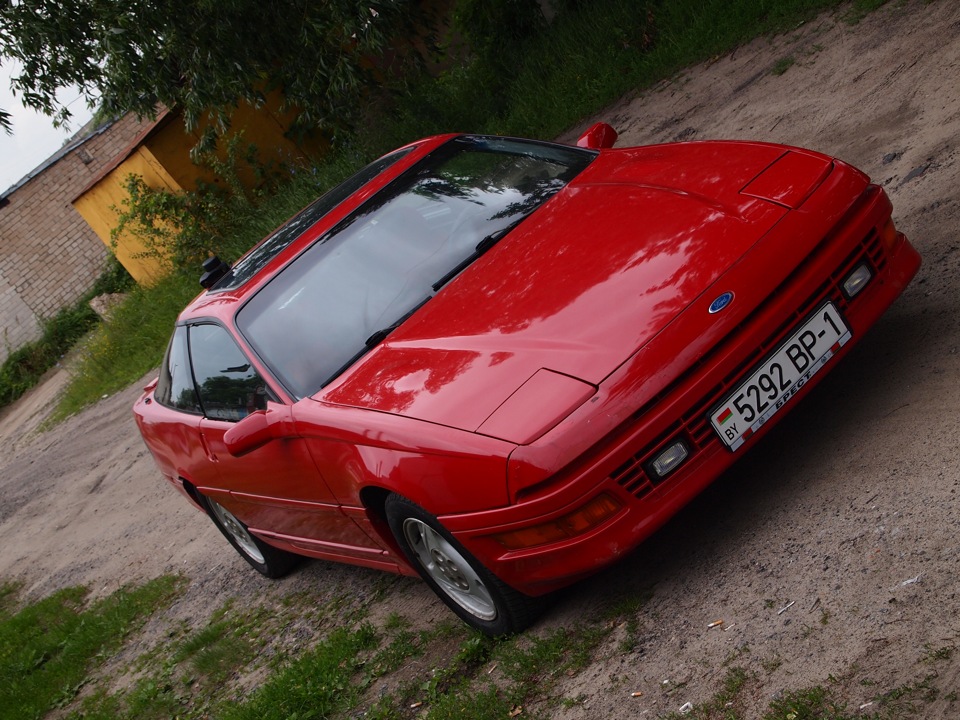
x,y
645,404
797,255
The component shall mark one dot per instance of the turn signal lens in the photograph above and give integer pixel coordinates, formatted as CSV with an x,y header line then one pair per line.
x,y
857,280
576,523
889,234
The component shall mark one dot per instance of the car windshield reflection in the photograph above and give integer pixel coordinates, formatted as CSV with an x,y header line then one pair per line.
x,y
380,264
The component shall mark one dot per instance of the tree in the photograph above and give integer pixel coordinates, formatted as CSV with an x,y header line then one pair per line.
x,y
203,56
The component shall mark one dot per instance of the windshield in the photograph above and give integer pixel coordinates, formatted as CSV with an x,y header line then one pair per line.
x,y
255,260
347,291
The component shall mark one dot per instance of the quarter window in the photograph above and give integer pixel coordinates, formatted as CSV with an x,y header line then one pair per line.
x,y
229,387
175,387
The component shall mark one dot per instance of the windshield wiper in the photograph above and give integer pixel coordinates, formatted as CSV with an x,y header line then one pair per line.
x,y
375,339
488,242
380,335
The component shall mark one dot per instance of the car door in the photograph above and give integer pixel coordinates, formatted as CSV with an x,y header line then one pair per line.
x,y
275,489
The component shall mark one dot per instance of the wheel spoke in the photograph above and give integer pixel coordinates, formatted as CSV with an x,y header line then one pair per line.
x,y
449,569
237,531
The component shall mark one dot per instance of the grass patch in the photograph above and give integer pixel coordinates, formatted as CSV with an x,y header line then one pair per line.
x,y
316,685
725,704
909,699
824,702
217,651
193,673
206,667
8,598
48,648
816,703
588,57
859,9
782,65
121,351
487,679
934,654
626,612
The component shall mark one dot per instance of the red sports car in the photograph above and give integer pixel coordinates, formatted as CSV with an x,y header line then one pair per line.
x,y
502,364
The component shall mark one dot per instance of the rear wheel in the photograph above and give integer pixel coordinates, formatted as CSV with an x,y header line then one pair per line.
x,y
462,582
265,559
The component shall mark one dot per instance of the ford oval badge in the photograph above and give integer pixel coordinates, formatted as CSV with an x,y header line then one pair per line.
x,y
721,302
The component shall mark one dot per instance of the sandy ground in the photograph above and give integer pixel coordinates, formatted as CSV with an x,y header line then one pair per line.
x,y
830,551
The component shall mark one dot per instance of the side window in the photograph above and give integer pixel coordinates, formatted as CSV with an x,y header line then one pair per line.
x,y
229,386
175,386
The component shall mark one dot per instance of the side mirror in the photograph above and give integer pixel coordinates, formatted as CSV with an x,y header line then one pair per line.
x,y
598,137
257,429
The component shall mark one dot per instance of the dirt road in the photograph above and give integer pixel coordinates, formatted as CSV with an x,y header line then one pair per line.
x,y
830,552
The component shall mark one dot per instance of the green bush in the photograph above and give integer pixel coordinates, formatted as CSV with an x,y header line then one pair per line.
x,y
495,30
182,228
24,367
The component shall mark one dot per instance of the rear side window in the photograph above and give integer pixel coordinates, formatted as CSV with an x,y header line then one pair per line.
x,y
228,385
205,373
175,387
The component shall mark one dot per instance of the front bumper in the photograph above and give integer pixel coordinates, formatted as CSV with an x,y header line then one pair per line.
x,y
642,423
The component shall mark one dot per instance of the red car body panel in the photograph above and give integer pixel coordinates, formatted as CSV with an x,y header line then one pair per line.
x,y
556,366
542,297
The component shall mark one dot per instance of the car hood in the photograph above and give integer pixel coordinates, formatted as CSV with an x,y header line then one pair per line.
x,y
576,289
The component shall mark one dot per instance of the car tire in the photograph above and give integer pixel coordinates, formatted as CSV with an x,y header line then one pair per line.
x,y
265,559
475,594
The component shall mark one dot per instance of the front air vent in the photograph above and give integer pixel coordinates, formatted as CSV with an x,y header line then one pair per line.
x,y
631,477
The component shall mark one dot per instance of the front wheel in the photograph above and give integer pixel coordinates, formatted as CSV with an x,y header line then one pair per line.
x,y
265,559
466,586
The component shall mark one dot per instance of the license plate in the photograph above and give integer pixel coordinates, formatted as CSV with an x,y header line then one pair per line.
x,y
778,378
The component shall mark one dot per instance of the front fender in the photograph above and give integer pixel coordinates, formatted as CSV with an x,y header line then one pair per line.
x,y
442,469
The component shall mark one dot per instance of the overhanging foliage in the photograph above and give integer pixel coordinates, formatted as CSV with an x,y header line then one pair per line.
x,y
200,55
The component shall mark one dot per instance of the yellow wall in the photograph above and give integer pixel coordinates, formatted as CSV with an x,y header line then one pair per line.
x,y
163,160
262,127
97,204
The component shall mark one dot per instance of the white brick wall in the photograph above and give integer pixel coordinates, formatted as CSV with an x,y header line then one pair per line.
x,y
49,257
19,322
